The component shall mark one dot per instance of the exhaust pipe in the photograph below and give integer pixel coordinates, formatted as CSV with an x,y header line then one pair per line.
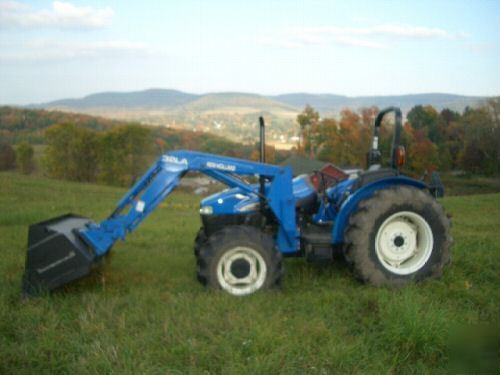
x,y
262,127
57,254
262,180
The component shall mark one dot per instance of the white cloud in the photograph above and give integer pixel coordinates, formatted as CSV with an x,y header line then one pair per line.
x,y
45,50
405,31
17,15
355,42
367,37
12,6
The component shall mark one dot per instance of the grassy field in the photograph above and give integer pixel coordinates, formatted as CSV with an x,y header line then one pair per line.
x,y
144,312
470,185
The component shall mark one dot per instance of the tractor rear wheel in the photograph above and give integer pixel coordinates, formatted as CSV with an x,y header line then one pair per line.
x,y
239,260
398,235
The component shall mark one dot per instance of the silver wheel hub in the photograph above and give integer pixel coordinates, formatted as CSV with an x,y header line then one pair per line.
x,y
404,242
241,270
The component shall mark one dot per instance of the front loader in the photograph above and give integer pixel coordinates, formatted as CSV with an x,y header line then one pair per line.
x,y
389,227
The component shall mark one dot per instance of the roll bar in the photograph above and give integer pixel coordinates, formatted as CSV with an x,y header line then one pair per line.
x,y
374,155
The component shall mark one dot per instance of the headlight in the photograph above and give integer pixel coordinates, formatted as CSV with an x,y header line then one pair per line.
x,y
206,210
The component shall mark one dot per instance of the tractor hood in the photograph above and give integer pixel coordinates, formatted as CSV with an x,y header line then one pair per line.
x,y
237,201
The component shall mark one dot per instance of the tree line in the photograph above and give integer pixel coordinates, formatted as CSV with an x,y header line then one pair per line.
x,y
118,156
92,149
29,125
115,155
445,140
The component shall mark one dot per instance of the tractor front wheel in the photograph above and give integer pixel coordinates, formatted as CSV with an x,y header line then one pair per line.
x,y
239,260
398,235
200,239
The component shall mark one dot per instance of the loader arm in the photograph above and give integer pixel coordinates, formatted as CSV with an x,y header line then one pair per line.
x,y
164,176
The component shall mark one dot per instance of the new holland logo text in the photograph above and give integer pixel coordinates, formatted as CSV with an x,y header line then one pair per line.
x,y
223,167
173,160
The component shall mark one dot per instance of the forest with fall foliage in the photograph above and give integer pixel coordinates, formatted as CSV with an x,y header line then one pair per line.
x,y
85,148
446,140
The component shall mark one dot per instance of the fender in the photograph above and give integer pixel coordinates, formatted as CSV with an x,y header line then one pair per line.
x,y
351,203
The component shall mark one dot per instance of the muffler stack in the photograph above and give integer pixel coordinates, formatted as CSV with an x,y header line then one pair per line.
x,y
56,254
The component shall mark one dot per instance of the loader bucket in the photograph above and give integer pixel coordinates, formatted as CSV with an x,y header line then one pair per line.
x,y
56,254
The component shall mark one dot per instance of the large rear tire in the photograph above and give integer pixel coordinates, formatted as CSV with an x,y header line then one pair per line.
x,y
239,260
396,236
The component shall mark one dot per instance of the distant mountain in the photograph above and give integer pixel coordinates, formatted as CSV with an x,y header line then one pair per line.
x,y
328,103
173,100
234,115
153,98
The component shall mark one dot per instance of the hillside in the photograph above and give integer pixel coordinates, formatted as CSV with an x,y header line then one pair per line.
x,y
239,102
327,103
17,124
145,302
233,115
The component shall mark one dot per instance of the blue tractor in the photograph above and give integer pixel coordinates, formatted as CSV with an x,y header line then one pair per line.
x,y
389,227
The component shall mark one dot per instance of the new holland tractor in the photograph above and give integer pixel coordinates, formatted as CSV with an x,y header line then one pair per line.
x,y
388,226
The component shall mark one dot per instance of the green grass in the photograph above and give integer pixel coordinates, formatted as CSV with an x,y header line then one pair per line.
x,y
144,312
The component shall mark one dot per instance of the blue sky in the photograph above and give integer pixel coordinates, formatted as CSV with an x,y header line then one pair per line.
x,y
58,49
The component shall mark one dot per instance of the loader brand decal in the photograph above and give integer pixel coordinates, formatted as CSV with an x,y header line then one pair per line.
x,y
173,160
56,263
221,166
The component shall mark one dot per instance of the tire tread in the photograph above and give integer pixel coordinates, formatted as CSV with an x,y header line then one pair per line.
x,y
361,222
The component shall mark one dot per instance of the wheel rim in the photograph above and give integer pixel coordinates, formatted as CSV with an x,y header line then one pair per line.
x,y
404,243
241,271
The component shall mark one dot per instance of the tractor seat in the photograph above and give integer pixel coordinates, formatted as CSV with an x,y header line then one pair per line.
x,y
304,192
